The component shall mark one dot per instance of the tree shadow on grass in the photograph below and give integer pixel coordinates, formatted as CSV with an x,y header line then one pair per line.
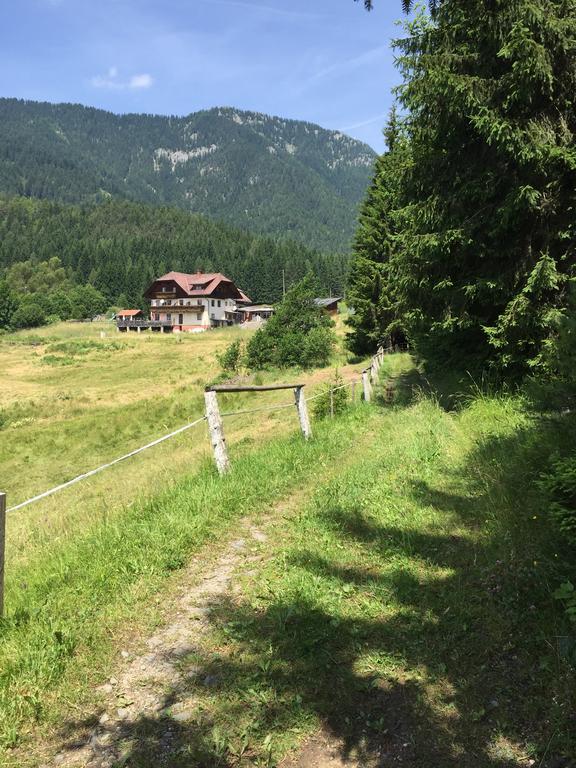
x,y
437,652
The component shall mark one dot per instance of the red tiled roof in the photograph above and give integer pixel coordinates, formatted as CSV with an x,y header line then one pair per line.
x,y
244,298
128,312
208,282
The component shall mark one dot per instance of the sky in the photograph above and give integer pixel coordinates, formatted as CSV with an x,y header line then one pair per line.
x,y
325,61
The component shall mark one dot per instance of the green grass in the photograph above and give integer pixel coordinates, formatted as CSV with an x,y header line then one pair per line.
x,y
74,400
406,607
68,604
405,604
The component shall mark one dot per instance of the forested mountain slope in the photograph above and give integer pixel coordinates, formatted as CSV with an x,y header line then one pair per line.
x,y
120,247
267,174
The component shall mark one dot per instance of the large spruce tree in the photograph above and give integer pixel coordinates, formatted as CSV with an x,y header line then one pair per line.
x,y
490,88
371,281
485,250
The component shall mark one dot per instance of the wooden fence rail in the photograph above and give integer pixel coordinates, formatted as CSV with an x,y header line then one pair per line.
x,y
214,417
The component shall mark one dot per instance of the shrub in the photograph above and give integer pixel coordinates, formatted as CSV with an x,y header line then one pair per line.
x,y
299,334
318,347
28,316
86,302
8,304
324,405
567,594
260,350
559,484
232,357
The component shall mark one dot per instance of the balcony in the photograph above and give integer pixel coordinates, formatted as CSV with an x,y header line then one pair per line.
x,y
141,322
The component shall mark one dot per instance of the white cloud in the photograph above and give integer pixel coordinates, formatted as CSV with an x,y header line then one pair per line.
x,y
342,67
141,81
112,81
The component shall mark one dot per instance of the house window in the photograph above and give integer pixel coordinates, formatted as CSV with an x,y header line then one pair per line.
x,y
181,302
212,305
219,302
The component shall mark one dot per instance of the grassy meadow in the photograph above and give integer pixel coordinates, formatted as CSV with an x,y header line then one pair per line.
x,y
402,603
72,400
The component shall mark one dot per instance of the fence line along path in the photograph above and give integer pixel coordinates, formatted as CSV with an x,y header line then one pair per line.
x,y
217,438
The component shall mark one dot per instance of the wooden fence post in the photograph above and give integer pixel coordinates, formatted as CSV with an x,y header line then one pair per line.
x,y
331,401
216,432
2,548
300,401
366,386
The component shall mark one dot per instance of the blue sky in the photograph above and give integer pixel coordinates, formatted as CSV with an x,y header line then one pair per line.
x,y
326,61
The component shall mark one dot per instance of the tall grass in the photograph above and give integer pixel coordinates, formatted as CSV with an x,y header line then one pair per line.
x,y
406,608
117,394
67,606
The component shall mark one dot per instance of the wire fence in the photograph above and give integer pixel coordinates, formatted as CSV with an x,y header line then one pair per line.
x,y
93,472
135,452
367,380
174,433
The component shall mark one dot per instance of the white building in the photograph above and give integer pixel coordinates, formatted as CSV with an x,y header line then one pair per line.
x,y
182,302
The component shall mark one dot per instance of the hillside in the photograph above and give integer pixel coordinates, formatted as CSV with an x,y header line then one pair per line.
x,y
120,247
263,173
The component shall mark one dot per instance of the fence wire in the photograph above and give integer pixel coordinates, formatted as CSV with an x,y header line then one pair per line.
x,y
105,466
135,452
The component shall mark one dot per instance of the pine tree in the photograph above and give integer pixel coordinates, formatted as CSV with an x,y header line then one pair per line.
x,y
487,243
371,282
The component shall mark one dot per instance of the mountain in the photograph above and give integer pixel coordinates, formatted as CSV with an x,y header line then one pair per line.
x,y
267,174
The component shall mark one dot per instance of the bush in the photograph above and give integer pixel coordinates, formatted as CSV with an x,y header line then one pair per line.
x,y
86,302
299,334
324,405
260,350
566,593
559,484
318,347
232,357
28,316
8,304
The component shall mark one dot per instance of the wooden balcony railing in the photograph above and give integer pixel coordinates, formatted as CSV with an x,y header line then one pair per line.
x,y
142,322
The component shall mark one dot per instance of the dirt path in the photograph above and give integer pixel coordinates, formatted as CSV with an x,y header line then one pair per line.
x,y
154,703
156,684
139,691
